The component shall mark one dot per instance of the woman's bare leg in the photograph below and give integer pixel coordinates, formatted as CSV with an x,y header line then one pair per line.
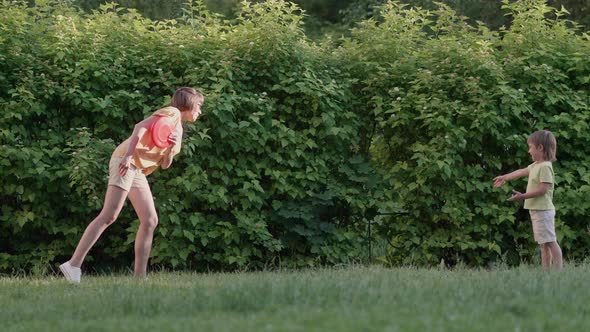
x,y
143,203
113,203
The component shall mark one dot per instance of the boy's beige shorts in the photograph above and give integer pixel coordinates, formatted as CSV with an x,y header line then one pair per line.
x,y
543,225
134,178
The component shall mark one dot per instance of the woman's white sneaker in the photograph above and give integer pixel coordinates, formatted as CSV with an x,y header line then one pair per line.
x,y
71,273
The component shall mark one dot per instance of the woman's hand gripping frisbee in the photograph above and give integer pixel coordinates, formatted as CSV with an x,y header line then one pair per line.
x,y
161,130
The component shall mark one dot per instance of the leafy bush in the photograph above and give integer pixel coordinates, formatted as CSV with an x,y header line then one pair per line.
x,y
452,106
301,145
270,175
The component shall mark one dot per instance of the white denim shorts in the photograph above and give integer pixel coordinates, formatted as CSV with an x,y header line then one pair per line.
x,y
543,225
134,178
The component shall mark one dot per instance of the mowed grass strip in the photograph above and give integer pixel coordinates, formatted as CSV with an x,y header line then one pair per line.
x,y
346,299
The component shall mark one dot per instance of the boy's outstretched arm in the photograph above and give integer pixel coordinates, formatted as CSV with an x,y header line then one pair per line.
x,y
500,180
541,190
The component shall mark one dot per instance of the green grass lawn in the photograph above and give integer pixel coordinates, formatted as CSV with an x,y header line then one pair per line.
x,y
347,299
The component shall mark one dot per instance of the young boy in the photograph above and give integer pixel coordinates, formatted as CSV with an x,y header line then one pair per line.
x,y
538,198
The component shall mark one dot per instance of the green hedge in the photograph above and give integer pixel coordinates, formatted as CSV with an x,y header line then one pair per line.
x,y
452,106
270,175
301,144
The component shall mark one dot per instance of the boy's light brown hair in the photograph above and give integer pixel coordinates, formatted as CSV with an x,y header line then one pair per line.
x,y
548,141
186,99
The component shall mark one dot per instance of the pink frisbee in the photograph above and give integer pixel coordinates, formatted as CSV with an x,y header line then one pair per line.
x,y
161,129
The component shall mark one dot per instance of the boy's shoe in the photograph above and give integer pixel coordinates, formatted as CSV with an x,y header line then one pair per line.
x,y
71,273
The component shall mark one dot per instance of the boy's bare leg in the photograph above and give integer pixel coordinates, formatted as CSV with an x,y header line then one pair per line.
x,y
556,255
545,256
143,203
113,203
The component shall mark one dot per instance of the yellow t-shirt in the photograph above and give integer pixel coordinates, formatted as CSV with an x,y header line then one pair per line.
x,y
540,172
147,157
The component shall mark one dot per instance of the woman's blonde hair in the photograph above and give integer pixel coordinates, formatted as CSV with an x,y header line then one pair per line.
x,y
186,99
547,140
